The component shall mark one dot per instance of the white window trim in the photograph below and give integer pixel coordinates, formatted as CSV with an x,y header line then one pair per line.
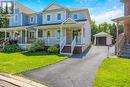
x,y
47,19
15,18
60,16
30,19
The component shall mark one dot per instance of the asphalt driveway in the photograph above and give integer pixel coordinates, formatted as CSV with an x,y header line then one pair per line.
x,y
73,72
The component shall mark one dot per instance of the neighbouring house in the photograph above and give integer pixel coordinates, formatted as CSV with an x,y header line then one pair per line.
x,y
123,40
103,39
69,28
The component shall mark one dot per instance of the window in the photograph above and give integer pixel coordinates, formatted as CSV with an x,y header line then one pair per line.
x,y
58,34
58,16
48,34
40,33
31,19
48,17
75,16
16,17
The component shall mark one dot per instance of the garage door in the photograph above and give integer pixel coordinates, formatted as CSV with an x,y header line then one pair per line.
x,y
101,41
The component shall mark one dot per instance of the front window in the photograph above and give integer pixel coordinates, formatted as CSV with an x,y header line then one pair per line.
x,y
48,34
75,16
58,34
58,16
48,17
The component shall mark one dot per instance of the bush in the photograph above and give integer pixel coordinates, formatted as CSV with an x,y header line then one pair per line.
x,y
11,48
13,41
52,49
37,45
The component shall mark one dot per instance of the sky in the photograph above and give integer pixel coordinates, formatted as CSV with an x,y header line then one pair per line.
x,y
100,10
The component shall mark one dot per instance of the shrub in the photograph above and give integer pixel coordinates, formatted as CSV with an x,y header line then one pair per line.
x,y
11,48
52,49
37,45
13,41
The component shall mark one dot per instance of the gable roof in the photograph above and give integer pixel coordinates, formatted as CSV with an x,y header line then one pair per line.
x,y
69,21
24,9
52,5
102,34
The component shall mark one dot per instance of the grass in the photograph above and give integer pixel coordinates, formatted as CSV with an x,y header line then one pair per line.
x,y
15,63
113,73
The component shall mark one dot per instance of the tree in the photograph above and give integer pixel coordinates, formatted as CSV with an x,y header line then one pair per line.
x,y
94,29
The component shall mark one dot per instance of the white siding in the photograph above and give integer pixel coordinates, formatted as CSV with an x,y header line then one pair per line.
x,y
87,31
54,17
109,41
81,15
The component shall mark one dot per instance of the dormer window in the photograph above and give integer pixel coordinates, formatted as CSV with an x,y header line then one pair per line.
x,y
32,19
48,17
75,16
58,16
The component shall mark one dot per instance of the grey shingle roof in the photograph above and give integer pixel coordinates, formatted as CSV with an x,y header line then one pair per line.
x,y
77,9
24,9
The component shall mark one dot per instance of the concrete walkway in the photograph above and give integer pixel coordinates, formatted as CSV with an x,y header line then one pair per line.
x,y
16,81
78,71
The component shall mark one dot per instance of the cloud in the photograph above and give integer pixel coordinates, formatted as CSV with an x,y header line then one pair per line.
x,y
108,15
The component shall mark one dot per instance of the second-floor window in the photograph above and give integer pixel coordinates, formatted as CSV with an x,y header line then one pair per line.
x,y
58,16
75,16
16,17
48,17
31,19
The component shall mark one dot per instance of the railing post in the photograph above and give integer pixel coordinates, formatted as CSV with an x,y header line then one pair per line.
x,y
60,37
117,38
5,34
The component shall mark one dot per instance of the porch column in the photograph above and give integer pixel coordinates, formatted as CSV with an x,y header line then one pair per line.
x,y
36,33
117,38
21,36
61,33
5,34
82,36
25,36
14,35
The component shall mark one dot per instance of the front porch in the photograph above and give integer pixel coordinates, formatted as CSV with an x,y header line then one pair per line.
x,y
65,34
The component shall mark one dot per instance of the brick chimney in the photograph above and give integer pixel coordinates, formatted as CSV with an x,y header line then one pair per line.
x,y
126,7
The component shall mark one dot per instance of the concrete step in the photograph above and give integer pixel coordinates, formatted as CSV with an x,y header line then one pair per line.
x,y
66,54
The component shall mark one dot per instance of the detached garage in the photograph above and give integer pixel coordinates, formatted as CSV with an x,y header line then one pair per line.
x,y
103,39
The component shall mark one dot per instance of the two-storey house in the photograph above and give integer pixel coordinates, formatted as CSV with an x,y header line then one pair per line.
x,y
69,28
123,40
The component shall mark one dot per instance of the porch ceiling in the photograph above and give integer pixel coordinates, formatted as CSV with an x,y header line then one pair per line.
x,y
12,29
121,19
72,25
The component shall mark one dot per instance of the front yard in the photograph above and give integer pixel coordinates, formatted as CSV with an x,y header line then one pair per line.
x,y
113,73
16,63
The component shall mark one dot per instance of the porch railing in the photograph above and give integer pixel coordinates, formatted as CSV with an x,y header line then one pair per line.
x,y
73,44
62,43
50,40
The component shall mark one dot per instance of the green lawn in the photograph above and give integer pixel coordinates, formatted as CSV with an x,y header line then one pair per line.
x,y
113,73
15,63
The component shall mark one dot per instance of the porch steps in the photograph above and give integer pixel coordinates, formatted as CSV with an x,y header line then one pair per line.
x,y
66,50
125,51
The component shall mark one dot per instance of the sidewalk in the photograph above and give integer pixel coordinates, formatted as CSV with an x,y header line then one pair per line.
x,y
16,81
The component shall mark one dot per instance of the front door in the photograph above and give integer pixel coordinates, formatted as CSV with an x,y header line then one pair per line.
x,y
68,36
76,33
